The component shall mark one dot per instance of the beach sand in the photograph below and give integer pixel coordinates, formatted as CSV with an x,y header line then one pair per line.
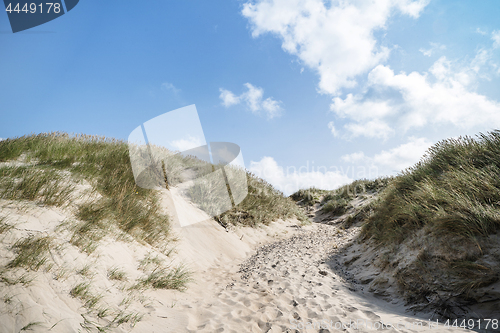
x,y
277,278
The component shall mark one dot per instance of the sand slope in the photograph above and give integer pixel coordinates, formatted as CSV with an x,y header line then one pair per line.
x,y
268,279
284,286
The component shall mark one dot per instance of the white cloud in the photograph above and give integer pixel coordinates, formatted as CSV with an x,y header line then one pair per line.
x,y
253,98
495,36
354,157
228,98
481,32
445,100
372,129
332,128
442,96
395,159
171,87
434,47
334,38
291,180
367,114
1,139
189,143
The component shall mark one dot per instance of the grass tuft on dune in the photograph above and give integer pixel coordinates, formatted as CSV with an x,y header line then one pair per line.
x,y
263,205
447,209
103,162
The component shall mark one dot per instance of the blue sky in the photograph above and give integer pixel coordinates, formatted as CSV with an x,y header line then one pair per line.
x,y
353,89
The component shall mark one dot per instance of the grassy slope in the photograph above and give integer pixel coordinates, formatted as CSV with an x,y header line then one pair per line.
x,y
432,229
336,203
262,205
104,163
448,208
46,169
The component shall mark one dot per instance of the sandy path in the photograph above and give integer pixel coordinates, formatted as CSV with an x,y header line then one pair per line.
x,y
284,286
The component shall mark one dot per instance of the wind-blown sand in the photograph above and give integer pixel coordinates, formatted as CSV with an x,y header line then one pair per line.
x,y
273,278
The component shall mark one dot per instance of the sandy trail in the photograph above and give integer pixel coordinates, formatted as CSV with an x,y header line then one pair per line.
x,y
284,286
275,278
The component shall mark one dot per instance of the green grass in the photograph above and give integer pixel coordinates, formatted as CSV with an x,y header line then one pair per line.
x,y
448,207
23,279
115,273
162,278
30,326
104,163
454,190
31,252
36,184
263,205
337,202
82,291
309,197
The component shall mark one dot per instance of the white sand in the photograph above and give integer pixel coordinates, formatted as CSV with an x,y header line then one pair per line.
x,y
268,279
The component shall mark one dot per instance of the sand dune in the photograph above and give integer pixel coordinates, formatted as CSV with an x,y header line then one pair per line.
x,y
273,278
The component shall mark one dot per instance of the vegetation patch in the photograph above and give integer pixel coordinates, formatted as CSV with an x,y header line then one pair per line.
x,y
35,184
160,277
448,207
31,252
263,205
82,291
104,163
116,274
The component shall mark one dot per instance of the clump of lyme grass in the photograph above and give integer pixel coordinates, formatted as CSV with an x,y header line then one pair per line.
x,y
31,252
160,277
83,292
454,189
35,184
105,164
263,205
115,273
448,207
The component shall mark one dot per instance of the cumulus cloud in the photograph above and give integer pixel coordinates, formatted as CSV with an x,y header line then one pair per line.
x,y
188,143
170,87
290,180
394,160
368,115
495,36
254,100
434,48
228,98
334,38
442,96
443,99
372,129
332,128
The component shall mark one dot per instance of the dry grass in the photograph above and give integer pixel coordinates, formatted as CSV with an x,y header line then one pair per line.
x,y
448,207
455,190
104,163
263,205
31,252
36,184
